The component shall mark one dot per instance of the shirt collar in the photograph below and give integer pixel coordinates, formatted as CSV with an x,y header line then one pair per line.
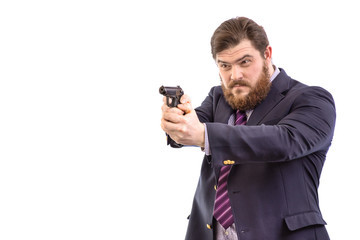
x,y
274,75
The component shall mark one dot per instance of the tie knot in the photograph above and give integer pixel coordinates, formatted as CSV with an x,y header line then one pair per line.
x,y
240,118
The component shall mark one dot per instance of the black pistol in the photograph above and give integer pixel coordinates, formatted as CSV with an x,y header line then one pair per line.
x,y
173,93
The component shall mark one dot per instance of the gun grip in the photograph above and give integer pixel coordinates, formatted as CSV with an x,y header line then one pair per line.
x,y
172,143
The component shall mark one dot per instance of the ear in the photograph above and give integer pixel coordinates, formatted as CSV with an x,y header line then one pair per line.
x,y
268,53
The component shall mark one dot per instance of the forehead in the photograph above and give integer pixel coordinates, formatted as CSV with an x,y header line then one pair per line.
x,y
242,49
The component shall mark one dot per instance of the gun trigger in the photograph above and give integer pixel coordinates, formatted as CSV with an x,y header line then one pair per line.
x,y
167,101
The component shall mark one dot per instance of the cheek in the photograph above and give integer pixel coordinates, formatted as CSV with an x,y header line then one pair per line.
x,y
254,76
224,78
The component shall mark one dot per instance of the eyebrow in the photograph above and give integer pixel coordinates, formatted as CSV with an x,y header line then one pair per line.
x,y
238,60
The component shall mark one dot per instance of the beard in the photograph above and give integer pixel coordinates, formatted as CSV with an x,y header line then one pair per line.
x,y
255,96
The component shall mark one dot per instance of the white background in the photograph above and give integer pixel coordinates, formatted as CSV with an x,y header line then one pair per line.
x,y
82,154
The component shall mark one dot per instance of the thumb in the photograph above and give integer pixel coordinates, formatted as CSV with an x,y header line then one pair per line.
x,y
185,105
185,99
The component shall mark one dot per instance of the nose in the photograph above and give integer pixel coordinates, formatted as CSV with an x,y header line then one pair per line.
x,y
236,73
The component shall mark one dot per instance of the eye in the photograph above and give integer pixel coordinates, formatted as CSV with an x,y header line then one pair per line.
x,y
224,66
245,62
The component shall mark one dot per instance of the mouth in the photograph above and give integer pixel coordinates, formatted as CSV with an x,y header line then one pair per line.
x,y
240,89
239,85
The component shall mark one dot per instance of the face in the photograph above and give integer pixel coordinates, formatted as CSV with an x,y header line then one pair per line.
x,y
245,75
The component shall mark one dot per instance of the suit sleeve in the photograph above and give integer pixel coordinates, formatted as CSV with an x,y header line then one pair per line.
x,y
307,127
205,112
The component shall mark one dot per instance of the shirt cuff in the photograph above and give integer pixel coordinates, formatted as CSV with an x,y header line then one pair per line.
x,y
206,148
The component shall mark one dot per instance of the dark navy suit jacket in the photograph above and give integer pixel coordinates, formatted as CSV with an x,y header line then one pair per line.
x,y
276,159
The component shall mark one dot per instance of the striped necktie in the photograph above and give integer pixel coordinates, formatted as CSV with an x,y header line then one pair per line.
x,y
222,208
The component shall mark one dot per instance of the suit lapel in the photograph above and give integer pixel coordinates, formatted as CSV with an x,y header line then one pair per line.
x,y
279,86
223,111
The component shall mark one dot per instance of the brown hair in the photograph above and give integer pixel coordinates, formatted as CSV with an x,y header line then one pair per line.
x,y
231,32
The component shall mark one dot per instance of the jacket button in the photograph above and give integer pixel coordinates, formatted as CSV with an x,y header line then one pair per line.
x,y
229,162
208,226
215,187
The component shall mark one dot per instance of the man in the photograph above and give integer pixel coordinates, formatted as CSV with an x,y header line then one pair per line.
x,y
265,137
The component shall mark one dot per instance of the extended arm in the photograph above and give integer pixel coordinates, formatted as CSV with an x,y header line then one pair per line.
x,y
307,127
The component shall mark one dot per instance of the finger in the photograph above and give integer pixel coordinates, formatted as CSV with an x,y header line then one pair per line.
x,y
169,127
175,110
164,107
185,99
173,117
185,107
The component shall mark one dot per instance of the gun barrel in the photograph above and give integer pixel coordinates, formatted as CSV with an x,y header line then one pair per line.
x,y
162,90
171,91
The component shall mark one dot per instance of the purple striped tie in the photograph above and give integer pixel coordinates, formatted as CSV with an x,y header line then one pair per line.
x,y
222,208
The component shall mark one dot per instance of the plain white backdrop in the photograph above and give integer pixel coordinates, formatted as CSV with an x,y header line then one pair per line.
x,y
82,154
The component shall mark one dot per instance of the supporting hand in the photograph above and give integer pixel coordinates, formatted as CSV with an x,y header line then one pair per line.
x,y
182,123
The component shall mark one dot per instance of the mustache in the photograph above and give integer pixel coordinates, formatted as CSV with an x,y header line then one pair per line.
x,y
241,83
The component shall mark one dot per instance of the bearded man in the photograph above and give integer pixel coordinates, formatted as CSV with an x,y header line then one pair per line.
x,y
265,138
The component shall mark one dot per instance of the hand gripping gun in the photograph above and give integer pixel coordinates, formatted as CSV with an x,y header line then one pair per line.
x,y
173,95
